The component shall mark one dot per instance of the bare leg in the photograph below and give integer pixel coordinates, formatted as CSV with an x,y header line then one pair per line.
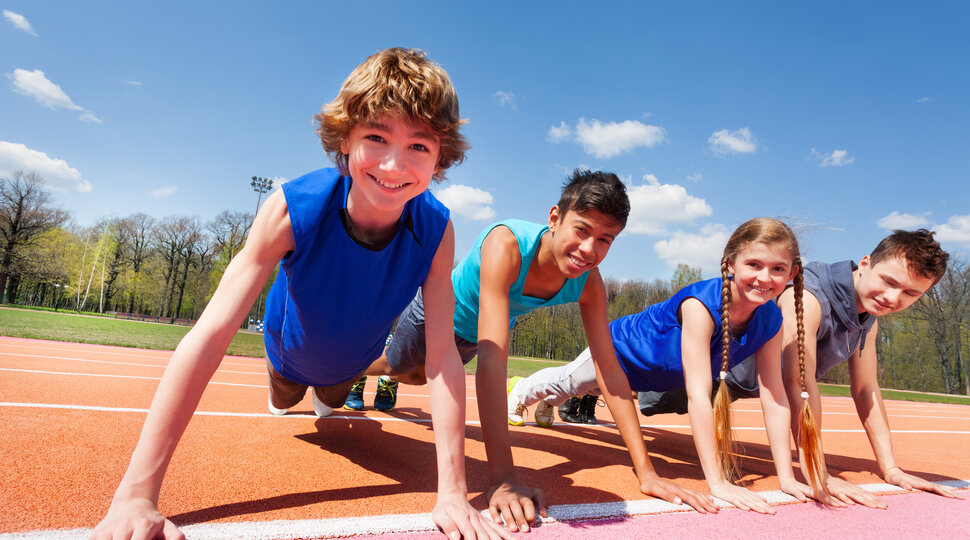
x,y
382,367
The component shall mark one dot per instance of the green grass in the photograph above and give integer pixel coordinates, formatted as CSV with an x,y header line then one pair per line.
x,y
519,366
39,324
902,395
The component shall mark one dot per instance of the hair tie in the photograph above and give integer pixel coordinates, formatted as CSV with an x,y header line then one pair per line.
x,y
804,395
723,375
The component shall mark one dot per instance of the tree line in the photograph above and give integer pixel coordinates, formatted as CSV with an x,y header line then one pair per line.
x,y
167,268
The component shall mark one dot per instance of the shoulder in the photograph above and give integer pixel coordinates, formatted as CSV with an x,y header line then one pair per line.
x,y
695,316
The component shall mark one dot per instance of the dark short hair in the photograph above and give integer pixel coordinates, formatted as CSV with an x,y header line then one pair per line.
x,y
922,253
598,190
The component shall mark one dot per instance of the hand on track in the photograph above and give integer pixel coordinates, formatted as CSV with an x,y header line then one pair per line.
x,y
742,498
516,505
458,519
800,491
845,494
677,494
137,519
907,481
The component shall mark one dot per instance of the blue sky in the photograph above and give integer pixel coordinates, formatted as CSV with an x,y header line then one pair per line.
x,y
845,119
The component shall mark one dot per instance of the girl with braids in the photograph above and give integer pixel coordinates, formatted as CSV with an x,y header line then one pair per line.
x,y
691,340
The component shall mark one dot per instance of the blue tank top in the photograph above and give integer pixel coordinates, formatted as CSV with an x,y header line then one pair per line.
x,y
466,277
334,300
648,344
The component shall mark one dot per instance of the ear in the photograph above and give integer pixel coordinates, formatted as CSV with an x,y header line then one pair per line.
x,y
794,272
865,263
345,146
554,218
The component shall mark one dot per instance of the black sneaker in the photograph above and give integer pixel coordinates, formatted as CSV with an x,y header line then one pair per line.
x,y
587,409
569,411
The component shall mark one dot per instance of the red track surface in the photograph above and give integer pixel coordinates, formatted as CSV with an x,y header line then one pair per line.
x,y
72,413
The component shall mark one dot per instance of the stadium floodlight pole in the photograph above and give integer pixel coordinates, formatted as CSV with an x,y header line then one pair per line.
x,y
260,185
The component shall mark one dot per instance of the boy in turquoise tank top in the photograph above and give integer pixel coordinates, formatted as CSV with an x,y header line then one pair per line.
x,y
842,302
392,128
516,267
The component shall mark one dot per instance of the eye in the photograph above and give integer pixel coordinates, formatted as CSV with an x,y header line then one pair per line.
x,y
420,147
606,241
374,138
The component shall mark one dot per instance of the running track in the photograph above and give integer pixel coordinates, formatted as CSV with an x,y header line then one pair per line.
x,y
71,414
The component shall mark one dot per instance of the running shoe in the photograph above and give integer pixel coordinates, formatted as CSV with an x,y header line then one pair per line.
x,y
274,411
587,409
355,399
569,411
320,408
386,397
544,416
516,408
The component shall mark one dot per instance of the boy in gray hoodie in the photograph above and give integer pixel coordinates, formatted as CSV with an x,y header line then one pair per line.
x,y
841,304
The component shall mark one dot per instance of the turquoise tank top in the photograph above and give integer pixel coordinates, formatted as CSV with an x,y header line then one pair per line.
x,y
466,277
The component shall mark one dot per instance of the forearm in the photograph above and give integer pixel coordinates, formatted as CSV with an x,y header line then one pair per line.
x,y
617,393
874,421
446,384
777,417
178,394
702,427
490,381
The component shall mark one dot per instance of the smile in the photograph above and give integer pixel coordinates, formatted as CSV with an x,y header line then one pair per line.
x,y
579,263
389,186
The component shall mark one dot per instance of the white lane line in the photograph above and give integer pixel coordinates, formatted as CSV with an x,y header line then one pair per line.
x,y
410,523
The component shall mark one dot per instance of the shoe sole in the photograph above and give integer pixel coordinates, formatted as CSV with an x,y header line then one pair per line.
x,y
508,392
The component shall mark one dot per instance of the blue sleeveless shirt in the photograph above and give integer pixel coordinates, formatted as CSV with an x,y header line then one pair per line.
x,y
466,277
334,300
648,343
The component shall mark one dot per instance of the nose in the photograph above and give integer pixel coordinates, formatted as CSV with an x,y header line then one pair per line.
x,y
891,295
764,275
586,247
393,160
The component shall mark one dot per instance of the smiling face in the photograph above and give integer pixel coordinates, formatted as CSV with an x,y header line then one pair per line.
x,y
887,286
391,161
580,241
761,272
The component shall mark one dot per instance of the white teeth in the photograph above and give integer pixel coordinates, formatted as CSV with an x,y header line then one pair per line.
x,y
389,186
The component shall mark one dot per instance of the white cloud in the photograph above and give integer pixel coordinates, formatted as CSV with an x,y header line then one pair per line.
x,y
559,133
19,21
956,230
654,206
895,220
132,83
837,158
57,174
467,201
36,85
610,139
703,249
696,177
725,142
924,99
506,98
161,193
606,140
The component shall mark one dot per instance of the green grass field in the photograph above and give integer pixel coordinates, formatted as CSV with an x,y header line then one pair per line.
x,y
40,324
